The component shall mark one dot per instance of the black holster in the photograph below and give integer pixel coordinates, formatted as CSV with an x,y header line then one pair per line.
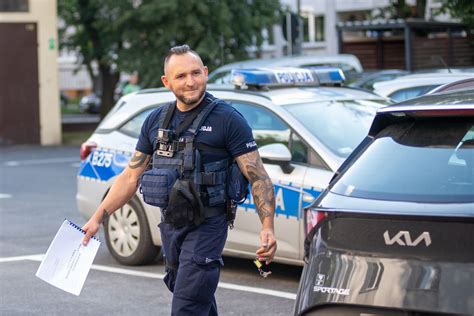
x,y
231,211
185,206
237,188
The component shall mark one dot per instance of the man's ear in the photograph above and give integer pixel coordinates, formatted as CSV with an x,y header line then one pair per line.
x,y
165,81
206,71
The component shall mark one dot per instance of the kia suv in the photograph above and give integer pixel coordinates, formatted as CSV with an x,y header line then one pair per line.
x,y
393,233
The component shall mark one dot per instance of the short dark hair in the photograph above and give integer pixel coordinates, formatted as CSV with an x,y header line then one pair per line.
x,y
179,50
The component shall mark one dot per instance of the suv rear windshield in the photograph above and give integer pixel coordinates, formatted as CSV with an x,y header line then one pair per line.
x,y
421,161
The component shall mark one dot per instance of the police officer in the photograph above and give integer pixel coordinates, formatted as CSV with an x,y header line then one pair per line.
x,y
193,250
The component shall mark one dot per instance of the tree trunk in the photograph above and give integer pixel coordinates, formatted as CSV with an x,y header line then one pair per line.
x,y
95,80
420,9
109,81
400,6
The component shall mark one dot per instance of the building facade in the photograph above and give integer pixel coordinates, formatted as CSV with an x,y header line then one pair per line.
x,y
321,17
29,92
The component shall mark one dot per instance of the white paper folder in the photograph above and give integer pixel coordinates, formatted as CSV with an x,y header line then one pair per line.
x,y
67,261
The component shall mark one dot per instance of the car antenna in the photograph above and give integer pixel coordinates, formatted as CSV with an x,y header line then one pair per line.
x,y
442,62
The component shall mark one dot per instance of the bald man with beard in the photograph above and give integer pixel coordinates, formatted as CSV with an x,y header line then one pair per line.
x,y
193,250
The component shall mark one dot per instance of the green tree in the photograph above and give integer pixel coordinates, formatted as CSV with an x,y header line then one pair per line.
x,y
90,27
399,9
396,9
462,9
128,35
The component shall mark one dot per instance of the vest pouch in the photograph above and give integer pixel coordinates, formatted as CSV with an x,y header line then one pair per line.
x,y
185,206
214,179
156,185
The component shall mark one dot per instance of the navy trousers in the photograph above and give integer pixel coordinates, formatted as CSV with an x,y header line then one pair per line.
x,y
193,256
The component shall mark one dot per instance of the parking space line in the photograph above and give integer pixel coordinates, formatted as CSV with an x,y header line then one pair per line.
x,y
15,163
150,275
257,290
228,286
224,285
20,258
5,196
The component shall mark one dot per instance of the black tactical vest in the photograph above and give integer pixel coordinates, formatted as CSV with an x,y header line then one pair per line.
x,y
209,179
187,189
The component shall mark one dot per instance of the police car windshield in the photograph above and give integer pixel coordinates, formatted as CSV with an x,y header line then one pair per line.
x,y
339,125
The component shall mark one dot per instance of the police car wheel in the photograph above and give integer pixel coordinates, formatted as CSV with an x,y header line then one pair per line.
x,y
128,236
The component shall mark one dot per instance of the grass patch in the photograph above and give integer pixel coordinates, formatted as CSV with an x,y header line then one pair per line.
x,y
75,138
71,108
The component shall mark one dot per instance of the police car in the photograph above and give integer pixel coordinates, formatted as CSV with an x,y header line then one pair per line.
x,y
303,121
348,63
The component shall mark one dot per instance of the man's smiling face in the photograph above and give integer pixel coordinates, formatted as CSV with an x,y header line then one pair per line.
x,y
186,76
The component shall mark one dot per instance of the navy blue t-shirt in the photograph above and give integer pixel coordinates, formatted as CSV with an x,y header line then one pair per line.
x,y
224,128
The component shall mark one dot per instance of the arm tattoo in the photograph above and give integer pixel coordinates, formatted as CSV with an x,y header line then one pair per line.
x,y
262,187
137,160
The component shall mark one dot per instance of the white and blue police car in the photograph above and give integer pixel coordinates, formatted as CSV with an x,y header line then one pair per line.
x,y
304,122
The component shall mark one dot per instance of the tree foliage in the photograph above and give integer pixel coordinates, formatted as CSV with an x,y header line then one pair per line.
x,y
399,9
462,9
129,35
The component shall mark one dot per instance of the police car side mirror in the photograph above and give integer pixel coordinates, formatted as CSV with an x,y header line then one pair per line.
x,y
277,154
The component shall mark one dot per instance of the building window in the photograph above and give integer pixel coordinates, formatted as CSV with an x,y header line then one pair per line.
x,y
306,36
319,28
313,27
307,19
14,6
268,37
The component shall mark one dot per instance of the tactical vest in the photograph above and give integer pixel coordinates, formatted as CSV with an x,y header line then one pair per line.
x,y
178,180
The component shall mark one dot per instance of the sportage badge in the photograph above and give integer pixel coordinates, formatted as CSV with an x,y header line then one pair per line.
x,y
319,287
403,238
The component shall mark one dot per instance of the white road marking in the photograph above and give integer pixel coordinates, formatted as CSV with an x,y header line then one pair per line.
x,y
257,290
38,257
5,196
15,163
128,272
228,286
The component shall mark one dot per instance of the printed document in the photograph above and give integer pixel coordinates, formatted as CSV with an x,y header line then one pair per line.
x,y
67,261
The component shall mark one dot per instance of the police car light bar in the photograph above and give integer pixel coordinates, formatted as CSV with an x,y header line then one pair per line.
x,y
328,75
286,76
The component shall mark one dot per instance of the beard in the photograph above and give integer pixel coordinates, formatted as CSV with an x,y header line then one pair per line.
x,y
192,101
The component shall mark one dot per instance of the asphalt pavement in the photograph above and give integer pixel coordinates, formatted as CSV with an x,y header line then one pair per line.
x,y
37,191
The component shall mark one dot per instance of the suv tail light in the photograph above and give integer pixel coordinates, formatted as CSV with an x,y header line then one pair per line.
x,y
312,216
86,149
443,113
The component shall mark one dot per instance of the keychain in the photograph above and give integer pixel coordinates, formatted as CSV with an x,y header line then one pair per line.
x,y
259,265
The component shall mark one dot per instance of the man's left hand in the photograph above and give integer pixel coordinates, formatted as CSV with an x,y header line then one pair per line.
x,y
268,245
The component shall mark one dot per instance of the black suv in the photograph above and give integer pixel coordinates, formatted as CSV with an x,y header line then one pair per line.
x,y
393,234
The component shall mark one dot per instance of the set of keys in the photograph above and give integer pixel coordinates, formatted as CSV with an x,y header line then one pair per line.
x,y
259,266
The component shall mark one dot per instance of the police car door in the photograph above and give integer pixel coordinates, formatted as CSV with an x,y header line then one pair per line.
x,y
316,177
269,128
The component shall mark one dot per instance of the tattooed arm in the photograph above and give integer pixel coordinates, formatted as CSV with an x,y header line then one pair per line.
x,y
263,194
121,192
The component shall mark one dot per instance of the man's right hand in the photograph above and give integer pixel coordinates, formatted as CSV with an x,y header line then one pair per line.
x,y
91,228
